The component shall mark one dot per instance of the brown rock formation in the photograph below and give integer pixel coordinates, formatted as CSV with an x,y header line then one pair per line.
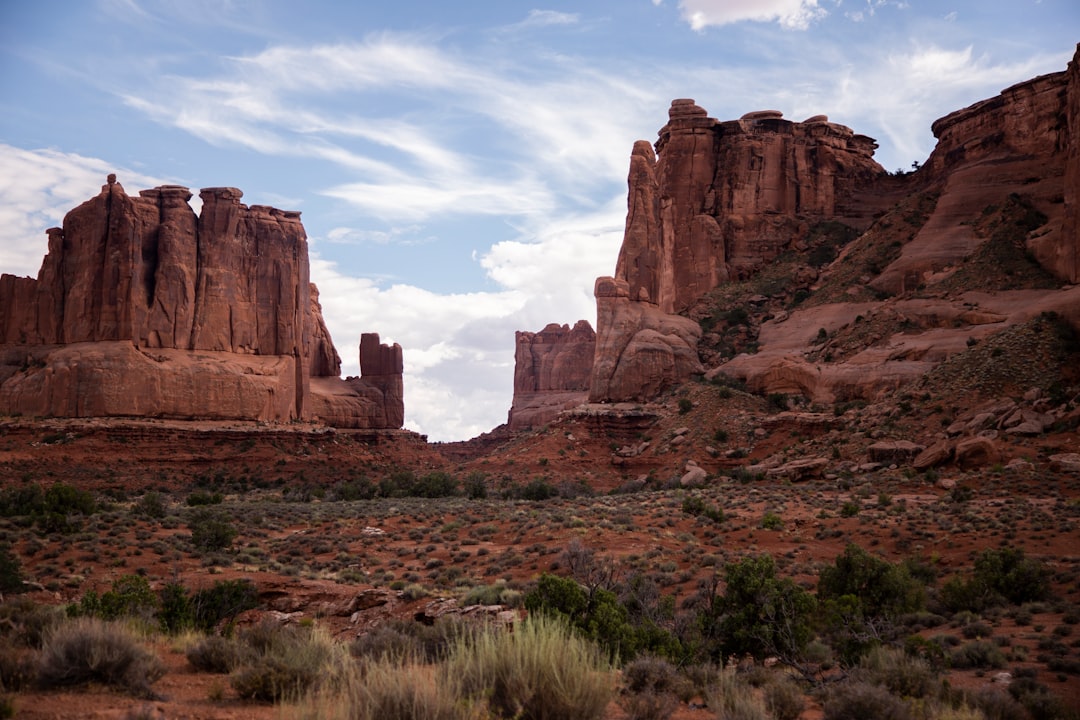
x,y
640,350
551,372
143,308
1018,141
722,198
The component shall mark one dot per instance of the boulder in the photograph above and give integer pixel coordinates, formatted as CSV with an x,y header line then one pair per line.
x,y
976,452
1065,462
937,454
890,452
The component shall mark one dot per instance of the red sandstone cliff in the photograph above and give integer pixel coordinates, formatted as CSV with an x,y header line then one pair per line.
x,y
142,308
551,372
715,202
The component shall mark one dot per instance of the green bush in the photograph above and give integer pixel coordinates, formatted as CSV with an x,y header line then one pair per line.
x,y
652,687
694,505
1009,573
978,654
496,594
211,530
87,650
222,602
772,521
685,405
352,490
199,498
541,671
152,505
11,575
882,588
405,639
760,614
176,613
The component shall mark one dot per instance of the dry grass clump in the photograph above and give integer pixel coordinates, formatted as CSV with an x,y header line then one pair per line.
x,y
283,662
392,689
541,671
87,650
731,698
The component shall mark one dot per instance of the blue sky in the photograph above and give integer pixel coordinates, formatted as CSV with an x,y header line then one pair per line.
x,y
461,167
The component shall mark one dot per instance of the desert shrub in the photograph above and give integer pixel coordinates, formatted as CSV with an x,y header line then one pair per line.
x,y
175,611
784,699
1039,702
281,662
215,654
541,671
849,509
152,505
978,654
778,402
398,483
222,602
199,498
7,706
88,649
902,674
405,639
685,405
475,486
496,594
651,689
352,490
1017,578
26,623
997,704
597,614
17,667
436,484
50,509
759,614
211,531
694,505
882,588
733,699
855,700
536,490
393,690
11,575
772,521
130,596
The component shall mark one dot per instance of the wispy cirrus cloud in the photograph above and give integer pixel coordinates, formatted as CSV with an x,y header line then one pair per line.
x,y
791,14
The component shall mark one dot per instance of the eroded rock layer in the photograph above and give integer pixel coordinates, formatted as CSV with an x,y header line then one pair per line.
x,y
551,372
143,308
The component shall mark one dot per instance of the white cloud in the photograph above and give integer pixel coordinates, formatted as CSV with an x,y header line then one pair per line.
x,y
39,187
542,18
793,14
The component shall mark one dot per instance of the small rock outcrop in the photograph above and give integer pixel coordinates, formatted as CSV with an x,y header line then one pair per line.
x,y
551,372
143,308
640,350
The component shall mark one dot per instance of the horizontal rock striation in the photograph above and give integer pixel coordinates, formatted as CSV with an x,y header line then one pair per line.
x,y
551,372
143,308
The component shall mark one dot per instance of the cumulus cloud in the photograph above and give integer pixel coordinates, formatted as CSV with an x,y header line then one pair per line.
x,y
792,14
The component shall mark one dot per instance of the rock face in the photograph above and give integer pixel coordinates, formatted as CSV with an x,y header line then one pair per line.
x,y
719,199
551,372
640,350
142,308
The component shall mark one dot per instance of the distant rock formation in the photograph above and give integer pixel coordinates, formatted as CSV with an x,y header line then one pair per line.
x,y
640,350
551,372
719,199
713,202
141,308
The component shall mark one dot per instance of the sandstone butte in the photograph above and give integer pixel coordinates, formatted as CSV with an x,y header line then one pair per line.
x,y
712,203
143,309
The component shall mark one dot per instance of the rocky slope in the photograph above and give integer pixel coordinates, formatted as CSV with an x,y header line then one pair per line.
x,y
143,309
779,254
